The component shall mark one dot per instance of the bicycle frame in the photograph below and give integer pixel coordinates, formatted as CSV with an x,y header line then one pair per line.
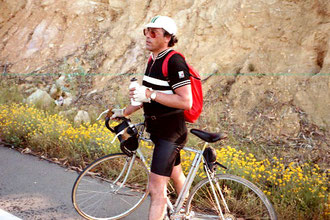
x,y
175,209
205,200
198,158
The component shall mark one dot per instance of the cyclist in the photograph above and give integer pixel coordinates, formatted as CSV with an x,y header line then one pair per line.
x,y
164,100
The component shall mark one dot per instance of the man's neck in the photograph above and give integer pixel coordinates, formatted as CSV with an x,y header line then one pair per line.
x,y
155,53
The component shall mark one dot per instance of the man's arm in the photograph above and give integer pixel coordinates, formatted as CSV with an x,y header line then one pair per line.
x,y
131,109
181,99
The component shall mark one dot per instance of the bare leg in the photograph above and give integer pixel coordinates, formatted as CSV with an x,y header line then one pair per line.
x,y
178,178
157,189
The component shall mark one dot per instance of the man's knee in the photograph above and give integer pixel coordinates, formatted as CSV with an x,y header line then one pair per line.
x,y
156,191
158,196
157,185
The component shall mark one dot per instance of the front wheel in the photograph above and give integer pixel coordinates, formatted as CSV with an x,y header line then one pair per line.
x,y
240,200
111,187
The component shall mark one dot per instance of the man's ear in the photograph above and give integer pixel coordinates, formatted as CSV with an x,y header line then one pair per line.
x,y
167,38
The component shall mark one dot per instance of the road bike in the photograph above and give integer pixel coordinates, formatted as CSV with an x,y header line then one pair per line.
x,y
115,185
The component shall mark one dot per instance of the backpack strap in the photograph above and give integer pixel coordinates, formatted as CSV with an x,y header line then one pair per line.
x,y
150,59
165,63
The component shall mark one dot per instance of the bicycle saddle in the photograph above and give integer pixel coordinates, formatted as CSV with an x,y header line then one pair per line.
x,y
207,136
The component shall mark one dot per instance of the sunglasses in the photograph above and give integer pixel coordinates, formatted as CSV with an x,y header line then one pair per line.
x,y
152,33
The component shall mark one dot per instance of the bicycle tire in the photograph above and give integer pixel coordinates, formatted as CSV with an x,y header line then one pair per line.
x,y
96,193
244,199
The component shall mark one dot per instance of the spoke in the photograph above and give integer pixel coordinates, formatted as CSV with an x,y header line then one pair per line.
x,y
91,191
83,202
102,202
203,216
208,196
92,204
125,201
92,181
126,194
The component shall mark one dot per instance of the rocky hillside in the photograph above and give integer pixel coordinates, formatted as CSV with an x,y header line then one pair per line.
x,y
266,63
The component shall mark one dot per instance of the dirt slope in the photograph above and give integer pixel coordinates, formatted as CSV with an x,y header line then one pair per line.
x,y
269,60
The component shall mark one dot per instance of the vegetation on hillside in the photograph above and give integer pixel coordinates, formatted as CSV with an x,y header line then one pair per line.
x,y
299,190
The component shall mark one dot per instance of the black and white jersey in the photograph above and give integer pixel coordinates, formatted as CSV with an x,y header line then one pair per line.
x,y
171,126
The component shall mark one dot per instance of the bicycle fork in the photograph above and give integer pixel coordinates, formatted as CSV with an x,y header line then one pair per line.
x,y
127,167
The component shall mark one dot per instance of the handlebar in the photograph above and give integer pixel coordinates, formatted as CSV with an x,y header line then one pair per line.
x,y
126,132
108,117
107,120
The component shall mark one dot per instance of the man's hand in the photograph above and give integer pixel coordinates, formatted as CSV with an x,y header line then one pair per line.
x,y
140,94
117,113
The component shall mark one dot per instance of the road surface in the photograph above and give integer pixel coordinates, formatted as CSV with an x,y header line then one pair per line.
x,y
31,188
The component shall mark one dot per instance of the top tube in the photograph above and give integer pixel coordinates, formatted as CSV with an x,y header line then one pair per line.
x,y
191,149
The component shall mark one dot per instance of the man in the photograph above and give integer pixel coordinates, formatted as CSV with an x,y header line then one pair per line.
x,y
164,100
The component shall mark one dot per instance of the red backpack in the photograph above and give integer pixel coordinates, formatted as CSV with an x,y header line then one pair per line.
x,y
196,89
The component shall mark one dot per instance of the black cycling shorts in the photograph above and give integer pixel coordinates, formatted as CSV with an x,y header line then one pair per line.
x,y
166,155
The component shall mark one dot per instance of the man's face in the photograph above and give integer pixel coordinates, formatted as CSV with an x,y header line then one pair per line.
x,y
155,39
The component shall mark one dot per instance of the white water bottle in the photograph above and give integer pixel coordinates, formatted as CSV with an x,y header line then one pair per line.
x,y
134,84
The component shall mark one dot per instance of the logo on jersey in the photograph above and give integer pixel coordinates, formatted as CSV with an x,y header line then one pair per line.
x,y
181,74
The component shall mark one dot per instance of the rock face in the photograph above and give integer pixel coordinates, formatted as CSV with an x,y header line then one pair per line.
x,y
271,57
275,104
40,97
82,117
274,36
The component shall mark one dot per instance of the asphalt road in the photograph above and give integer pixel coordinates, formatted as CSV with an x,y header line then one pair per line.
x,y
31,188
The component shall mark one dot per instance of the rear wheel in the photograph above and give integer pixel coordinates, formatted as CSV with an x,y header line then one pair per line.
x,y
243,199
106,190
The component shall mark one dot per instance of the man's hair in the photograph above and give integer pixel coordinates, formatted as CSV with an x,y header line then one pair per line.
x,y
173,40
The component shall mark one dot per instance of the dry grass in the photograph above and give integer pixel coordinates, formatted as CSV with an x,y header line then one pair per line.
x,y
304,194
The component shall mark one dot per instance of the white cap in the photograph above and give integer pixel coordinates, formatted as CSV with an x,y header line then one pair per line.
x,y
164,22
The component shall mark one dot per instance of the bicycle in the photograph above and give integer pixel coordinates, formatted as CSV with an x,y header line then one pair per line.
x,y
122,179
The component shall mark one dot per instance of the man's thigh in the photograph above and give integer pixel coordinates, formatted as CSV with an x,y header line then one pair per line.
x,y
164,157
